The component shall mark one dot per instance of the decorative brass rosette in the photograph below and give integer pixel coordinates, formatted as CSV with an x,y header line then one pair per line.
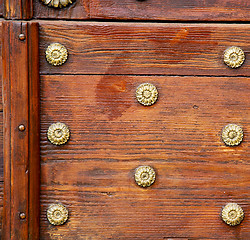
x,y
56,54
57,214
232,214
57,3
144,176
234,57
232,135
58,133
146,94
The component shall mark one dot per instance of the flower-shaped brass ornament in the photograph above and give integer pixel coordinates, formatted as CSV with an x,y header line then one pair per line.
x,y
144,176
57,3
146,94
232,135
58,133
57,214
234,57
232,214
56,54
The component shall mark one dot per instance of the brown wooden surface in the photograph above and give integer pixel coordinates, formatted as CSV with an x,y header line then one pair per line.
x,y
78,10
112,134
21,149
144,48
1,8
16,9
1,172
1,102
1,136
34,133
195,10
185,10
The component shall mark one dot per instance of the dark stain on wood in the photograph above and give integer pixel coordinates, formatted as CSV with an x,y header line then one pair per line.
x,y
111,92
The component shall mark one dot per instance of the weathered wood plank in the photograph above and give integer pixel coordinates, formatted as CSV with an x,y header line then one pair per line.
x,y
138,48
21,148
16,9
1,135
194,10
1,101
1,8
179,10
16,143
77,10
1,171
118,213
112,134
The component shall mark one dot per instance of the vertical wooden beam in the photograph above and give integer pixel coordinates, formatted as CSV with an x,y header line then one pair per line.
x,y
18,9
21,146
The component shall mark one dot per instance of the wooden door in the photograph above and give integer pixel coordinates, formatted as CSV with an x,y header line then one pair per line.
x,y
93,92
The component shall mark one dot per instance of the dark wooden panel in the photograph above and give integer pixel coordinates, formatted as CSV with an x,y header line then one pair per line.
x,y
1,102
138,48
187,10
77,10
112,134
209,10
1,135
16,9
1,8
1,169
21,148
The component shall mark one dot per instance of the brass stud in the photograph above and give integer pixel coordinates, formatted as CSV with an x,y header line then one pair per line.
x,y
232,214
232,135
22,216
58,3
58,133
57,214
144,176
146,94
56,54
21,127
234,57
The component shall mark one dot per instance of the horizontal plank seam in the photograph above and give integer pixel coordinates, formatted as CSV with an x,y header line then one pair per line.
x,y
150,75
142,21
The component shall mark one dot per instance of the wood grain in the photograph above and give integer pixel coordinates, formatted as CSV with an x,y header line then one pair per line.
x,y
77,10
179,10
1,171
112,134
138,48
15,147
1,136
21,148
1,8
16,9
195,10
34,133
1,102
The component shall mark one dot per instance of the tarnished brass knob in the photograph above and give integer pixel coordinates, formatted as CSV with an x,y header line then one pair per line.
x,y
146,94
234,57
57,4
232,135
58,133
232,214
57,214
56,54
144,176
